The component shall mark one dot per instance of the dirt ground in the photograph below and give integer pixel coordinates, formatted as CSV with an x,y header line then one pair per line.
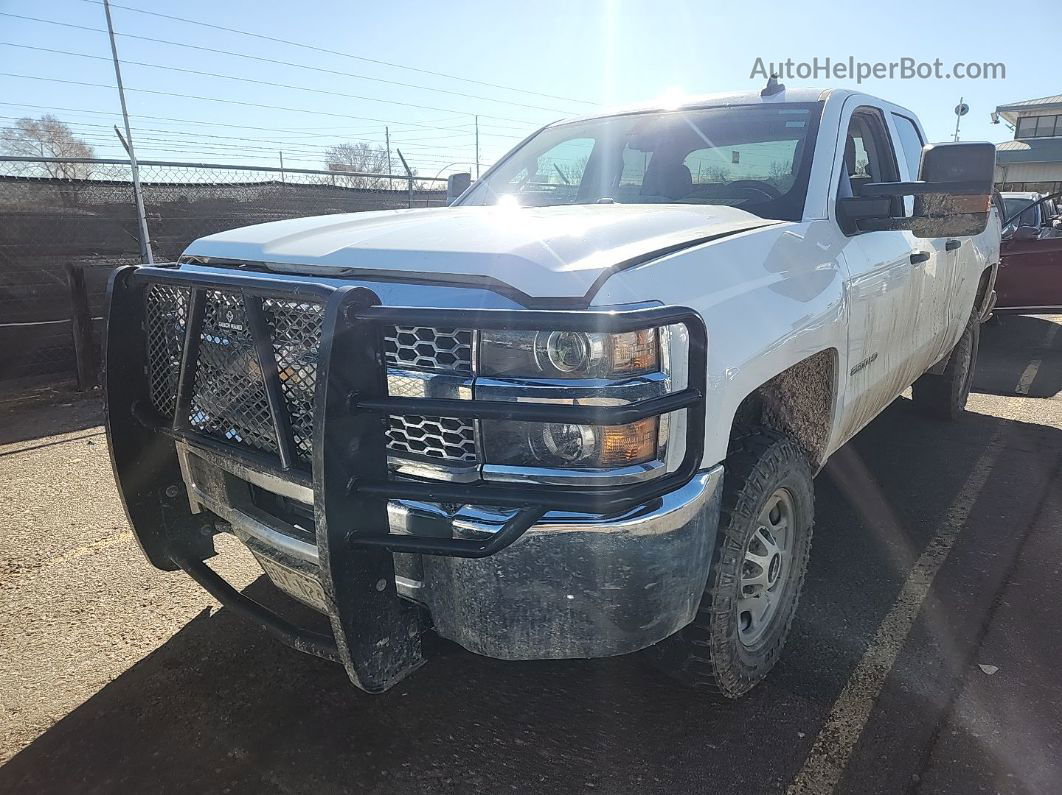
x,y
923,658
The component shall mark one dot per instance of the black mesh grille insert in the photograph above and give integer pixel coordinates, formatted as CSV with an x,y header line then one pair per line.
x,y
296,332
228,399
166,312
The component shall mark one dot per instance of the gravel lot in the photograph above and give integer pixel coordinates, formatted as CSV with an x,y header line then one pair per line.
x,y
924,655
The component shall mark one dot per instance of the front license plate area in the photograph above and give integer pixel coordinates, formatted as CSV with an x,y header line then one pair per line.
x,y
299,585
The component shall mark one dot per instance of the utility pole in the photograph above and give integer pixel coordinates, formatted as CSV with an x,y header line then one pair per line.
x,y
409,171
282,167
477,147
138,195
387,138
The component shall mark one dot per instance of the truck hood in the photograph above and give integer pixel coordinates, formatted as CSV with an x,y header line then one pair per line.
x,y
545,252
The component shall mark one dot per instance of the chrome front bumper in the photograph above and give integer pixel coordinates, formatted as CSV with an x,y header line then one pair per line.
x,y
574,585
578,585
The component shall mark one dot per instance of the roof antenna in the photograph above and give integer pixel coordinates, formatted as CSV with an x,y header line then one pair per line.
x,y
773,87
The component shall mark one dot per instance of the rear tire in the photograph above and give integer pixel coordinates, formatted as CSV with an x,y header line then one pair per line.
x,y
757,570
944,396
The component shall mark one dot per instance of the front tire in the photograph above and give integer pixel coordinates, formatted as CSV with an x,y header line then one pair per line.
x,y
944,396
757,570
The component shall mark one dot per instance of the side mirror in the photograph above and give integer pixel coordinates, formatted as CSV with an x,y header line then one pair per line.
x,y
456,184
952,195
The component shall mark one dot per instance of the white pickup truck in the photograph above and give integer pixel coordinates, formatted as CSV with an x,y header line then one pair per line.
x,y
578,413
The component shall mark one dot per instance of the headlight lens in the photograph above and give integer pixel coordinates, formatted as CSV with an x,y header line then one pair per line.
x,y
569,354
600,360
567,445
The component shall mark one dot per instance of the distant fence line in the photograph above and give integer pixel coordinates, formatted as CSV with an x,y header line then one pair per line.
x,y
55,211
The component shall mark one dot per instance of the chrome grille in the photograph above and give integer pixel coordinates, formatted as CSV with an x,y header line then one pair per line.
x,y
437,349
446,438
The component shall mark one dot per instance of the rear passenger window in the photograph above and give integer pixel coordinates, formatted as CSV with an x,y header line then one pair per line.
x,y
911,142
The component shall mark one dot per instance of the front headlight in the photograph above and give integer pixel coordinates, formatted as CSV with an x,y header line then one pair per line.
x,y
569,354
576,368
566,445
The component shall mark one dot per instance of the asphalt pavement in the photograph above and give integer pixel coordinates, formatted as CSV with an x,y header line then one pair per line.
x,y
923,657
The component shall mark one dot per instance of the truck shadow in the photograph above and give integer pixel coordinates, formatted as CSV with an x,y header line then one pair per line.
x,y
220,707
48,412
1020,355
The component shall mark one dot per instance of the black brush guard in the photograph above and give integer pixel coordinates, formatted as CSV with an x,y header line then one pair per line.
x,y
376,632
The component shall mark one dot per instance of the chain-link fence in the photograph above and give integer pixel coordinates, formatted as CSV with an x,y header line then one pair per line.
x,y
82,212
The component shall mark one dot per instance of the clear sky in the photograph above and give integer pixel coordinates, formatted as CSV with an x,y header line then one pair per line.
x,y
601,52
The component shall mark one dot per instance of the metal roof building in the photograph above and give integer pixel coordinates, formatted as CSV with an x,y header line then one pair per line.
x,y
1033,160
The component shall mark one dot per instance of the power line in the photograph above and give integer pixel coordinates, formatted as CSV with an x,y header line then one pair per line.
x,y
98,138
419,127
100,132
277,61
196,96
269,83
277,40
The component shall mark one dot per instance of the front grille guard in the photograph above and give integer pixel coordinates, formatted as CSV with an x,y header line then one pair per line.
x,y
352,406
349,473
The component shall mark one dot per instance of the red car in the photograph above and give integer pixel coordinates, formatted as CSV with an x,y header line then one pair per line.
x,y
1030,272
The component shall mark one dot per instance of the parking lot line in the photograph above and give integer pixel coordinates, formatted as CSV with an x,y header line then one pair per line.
x,y
1029,374
833,746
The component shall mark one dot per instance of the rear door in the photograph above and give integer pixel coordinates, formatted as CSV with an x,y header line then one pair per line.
x,y
939,270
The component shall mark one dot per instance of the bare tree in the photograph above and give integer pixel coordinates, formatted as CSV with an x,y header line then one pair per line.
x,y
360,157
47,137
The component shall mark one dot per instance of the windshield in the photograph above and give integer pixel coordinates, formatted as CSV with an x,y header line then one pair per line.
x,y
755,157
1031,215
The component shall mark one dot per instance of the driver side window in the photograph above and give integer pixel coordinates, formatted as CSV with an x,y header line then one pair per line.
x,y
868,156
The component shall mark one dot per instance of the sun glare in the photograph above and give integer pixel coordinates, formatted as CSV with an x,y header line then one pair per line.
x,y
672,98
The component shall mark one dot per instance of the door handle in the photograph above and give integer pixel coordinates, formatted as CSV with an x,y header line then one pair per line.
x,y
919,257
951,245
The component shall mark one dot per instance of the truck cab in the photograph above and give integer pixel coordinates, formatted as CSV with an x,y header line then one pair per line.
x,y
575,414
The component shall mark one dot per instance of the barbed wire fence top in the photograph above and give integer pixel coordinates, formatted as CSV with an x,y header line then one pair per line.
x,y
81,211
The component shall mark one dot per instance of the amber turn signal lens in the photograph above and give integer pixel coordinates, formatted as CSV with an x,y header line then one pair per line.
x,y
634,352
628,444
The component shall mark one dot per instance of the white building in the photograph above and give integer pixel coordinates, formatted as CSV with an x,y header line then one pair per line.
x,y
1033,160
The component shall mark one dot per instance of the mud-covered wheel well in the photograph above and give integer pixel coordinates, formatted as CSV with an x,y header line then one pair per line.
x,y
797,402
